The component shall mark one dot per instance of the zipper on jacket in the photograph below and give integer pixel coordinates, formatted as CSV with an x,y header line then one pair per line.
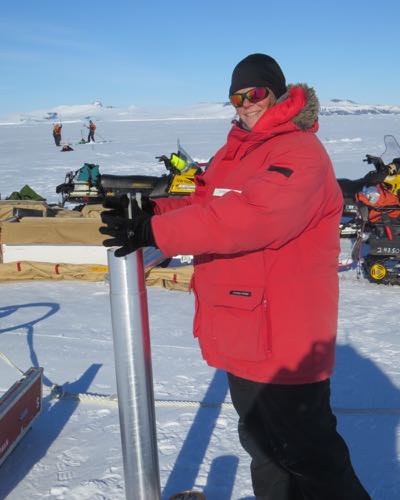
x,y
269,334
191,284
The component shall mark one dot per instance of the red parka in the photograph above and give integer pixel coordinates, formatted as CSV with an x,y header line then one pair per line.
x,y
263,227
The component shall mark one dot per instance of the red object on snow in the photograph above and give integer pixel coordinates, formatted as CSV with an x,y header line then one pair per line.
x,y
19,407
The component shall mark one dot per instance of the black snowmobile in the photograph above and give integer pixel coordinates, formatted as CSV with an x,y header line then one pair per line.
x,y
371,215
87,186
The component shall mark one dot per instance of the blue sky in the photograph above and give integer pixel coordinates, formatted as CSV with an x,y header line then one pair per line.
x,y
177,52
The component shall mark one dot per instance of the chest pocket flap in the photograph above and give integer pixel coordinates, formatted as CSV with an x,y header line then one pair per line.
x,y
240,297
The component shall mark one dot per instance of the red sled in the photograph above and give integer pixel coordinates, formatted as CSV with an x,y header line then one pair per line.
x,y
19,407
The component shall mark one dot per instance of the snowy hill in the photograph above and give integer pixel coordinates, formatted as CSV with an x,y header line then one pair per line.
x,y
206,110
347,107
98,112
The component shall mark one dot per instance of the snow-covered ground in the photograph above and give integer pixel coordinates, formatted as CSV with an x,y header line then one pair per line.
x,y
73,450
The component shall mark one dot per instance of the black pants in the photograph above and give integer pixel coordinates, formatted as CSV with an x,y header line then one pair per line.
x,y
91,136
290,433
57,139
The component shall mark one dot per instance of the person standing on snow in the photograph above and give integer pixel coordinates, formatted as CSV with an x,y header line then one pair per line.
x,y
92,128
263,227
57,133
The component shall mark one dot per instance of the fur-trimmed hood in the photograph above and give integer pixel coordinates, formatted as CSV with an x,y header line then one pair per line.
x,y
296,109
307,117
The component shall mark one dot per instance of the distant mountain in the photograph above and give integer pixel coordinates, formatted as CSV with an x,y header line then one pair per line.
x,y
223,110
98,112
347,107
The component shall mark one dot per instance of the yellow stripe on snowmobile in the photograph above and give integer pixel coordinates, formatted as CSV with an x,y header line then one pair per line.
x,y
182,184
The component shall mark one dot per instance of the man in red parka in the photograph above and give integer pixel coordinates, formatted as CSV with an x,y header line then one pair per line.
x,y
263,227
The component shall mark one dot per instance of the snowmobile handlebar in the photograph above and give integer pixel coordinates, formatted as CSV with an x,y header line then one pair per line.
x,y
392,168
376,161
87,185
176,164
145,185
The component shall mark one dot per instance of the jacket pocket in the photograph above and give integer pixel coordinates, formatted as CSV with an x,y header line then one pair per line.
x,y
240,325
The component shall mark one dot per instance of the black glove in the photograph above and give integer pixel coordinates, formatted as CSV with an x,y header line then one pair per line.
x,y
128,234
373,178
394,167
175,163
147,205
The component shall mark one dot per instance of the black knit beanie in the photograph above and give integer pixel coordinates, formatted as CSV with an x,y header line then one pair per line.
x,y
258,70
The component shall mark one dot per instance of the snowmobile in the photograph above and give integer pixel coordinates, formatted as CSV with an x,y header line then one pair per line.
x,y
373,213
86,185
350,221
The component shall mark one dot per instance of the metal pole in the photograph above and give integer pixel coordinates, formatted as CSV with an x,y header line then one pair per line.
x,y
130,324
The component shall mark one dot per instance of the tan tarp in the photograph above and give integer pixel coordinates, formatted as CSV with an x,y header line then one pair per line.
x,y
52,231
171,278
26,270
67,227
63,212
7,206
92,211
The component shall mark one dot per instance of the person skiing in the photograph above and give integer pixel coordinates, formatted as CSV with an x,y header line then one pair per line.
x,y
263,228
57,133
92,128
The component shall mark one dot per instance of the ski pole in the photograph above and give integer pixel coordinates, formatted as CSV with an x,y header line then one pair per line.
x,y
101,137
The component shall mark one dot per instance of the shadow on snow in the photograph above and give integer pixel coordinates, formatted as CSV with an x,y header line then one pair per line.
x,y
55,413
187,465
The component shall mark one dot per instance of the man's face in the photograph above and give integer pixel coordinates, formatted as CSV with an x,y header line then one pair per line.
x,y
250,113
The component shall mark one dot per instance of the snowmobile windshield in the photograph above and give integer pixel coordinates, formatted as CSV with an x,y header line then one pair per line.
x,y
182,153
392,149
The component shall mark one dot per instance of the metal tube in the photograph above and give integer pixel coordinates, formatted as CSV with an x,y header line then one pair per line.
x,y
152,257
130,324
